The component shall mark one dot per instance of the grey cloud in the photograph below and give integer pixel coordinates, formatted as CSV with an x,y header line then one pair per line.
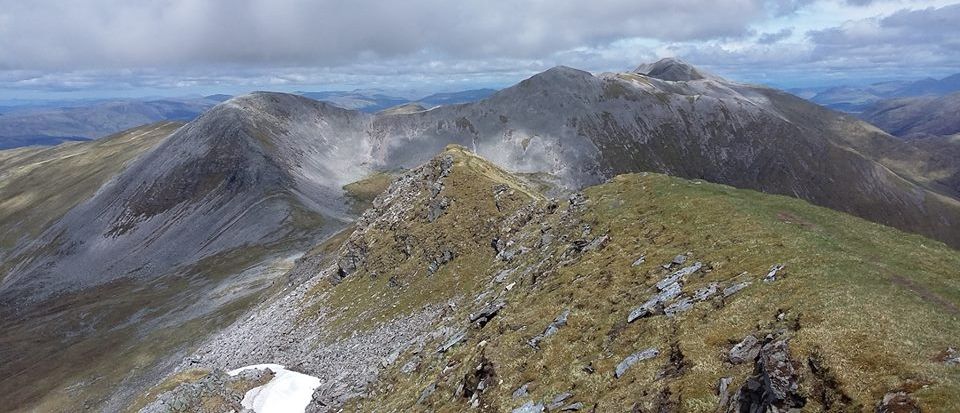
x,y
50,34
771,38
906,38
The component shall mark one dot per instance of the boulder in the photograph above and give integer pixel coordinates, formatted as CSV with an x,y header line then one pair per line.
x,y
655,303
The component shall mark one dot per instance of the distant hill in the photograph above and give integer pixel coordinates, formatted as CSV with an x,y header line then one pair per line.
x,y
856,99
453,98
916,117
9,142
376,101
358,100
51,126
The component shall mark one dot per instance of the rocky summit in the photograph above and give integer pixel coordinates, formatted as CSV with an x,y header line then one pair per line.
x,y
656,240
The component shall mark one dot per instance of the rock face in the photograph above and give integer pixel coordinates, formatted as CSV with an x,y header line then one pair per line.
x,y
774,385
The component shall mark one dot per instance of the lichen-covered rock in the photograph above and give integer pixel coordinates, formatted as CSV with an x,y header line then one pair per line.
x,y
632,359
655,303
551,329
774,385
744,351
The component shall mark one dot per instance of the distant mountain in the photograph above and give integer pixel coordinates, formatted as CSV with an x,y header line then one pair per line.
x,y
916,117
453,98
856,99
46,126
375,101
8,142
357,100
218,97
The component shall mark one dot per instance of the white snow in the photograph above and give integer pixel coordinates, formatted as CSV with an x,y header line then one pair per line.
x,y
288,391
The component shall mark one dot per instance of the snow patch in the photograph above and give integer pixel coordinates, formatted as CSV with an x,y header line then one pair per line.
x,y
288,391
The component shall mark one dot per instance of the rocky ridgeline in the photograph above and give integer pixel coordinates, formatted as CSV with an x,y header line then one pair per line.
x,y
436,357
275,331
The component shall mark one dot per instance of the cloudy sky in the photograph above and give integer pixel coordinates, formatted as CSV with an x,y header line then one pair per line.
x,y
100,48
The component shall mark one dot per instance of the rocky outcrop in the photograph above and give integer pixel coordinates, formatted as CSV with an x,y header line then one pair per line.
x,y
216,392
775,383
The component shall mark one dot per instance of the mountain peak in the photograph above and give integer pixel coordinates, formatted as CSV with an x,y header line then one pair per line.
x,y
672,69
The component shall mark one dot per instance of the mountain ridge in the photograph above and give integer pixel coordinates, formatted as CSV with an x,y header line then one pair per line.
x,y
245,200
503,298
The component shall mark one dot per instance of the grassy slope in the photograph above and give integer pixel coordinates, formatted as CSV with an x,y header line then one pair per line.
x,y
73,354
874,304
39,185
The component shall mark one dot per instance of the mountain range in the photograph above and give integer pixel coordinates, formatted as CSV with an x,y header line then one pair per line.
x,y
54,123
916,117
50,126
276,228
856,99
376,101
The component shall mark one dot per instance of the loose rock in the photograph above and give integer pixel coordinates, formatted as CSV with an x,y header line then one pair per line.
x,y
655,303
456,339
897,402
746,350
551,329
678,307
733,289
950,356
572,407
772,274
482,317
633,359
706,292
522,391
557,401
678,275
774,385
529,407
723,390
427,392
597,244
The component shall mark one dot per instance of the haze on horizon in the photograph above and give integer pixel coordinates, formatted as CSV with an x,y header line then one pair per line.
x,y
112,48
